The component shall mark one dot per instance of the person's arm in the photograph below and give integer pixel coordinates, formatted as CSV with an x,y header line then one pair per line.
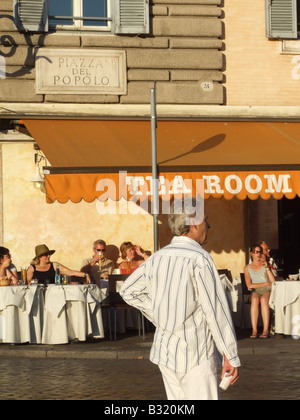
x,y
7,269
135,292
230,371
251,285
270,274
211,296
29,274
4,266
11,273
107,269
141,253
68,272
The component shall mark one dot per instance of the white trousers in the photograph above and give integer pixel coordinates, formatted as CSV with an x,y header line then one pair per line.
x,y
201,383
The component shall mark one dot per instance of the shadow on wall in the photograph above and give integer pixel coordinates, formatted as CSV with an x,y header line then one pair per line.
x,y
226,218
9,47
227,232
227,221
112,253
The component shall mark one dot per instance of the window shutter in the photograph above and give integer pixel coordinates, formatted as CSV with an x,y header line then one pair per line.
x,y
131,17
31,15
281,19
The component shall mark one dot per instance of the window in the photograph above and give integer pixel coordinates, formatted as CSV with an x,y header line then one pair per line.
x,y
69,14
117,16
283,19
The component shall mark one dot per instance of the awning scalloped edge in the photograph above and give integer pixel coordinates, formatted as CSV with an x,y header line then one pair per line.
x,y
90,186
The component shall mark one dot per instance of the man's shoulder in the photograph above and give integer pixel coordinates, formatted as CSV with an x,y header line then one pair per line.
x,y
87,261
185,247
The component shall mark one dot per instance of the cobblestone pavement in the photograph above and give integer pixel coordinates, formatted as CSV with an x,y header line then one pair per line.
x,y
262,377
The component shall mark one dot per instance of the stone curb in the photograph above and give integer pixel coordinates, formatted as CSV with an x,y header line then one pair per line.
x,y
133,348
74,354
115,354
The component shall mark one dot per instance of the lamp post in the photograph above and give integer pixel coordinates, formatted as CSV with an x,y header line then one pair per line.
x,y
155,179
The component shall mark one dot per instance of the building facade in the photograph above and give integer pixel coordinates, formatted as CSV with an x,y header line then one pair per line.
x,y
75,82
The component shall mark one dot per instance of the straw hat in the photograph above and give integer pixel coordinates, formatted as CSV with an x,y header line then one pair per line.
x,y
42,249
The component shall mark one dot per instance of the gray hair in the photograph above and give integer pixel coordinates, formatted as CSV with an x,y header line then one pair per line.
x,y
181,213
99,241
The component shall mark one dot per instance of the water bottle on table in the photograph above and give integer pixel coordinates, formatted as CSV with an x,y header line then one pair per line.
x,y
57,275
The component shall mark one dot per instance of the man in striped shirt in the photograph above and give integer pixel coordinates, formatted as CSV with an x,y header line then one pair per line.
x,y
179,290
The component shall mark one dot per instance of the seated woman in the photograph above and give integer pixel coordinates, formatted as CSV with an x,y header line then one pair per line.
x,y
7,268
259,279
129,253
43,269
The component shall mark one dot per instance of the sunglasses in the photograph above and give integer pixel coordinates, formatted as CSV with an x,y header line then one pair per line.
x,y
101,250
47,254
256,252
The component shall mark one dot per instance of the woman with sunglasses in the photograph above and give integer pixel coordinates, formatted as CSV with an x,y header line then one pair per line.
x,y
259,279
7,268
43,269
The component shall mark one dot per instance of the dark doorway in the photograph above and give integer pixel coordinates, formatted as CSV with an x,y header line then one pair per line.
x,y
289,235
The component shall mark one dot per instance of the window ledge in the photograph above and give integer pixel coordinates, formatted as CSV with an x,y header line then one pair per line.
x,y
73,30
290,46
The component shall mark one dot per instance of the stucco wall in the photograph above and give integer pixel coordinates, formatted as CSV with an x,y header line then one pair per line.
x,y
68,228
71,228
256,70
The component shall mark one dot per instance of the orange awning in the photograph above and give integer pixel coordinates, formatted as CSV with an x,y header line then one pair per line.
x,y
89,186
242,159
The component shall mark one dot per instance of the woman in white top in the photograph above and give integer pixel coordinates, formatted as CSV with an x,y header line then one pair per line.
x,y
259,279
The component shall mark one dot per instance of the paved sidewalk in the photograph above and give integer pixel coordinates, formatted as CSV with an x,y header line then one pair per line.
x,y
132,346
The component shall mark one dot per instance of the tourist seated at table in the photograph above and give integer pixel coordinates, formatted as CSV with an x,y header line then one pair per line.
x,y
259,279
133,256
43,270
98,266
7,268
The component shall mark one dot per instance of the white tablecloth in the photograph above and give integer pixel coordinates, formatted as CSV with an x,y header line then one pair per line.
x,y
231,293
21,314
285,300
72,312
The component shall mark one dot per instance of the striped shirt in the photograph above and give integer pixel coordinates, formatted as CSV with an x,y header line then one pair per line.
x,y
179,290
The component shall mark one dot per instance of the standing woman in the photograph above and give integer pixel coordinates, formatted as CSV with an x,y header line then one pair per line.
x,y
7,268
259,278
43,269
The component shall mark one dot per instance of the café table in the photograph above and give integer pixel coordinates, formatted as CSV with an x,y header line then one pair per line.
x,y
21,314
285,300
72,312
126,318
